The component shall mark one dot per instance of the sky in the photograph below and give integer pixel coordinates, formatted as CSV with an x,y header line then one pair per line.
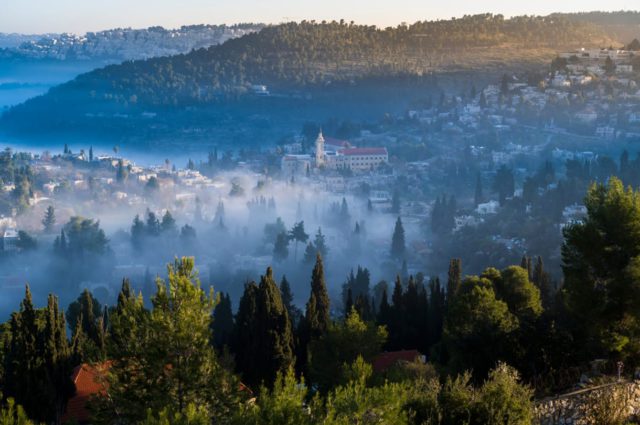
x,y
80,16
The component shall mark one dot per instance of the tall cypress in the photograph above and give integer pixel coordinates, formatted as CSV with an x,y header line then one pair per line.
x,y
318,307
287,299
244,338
454,278
274,342
398,241
222,326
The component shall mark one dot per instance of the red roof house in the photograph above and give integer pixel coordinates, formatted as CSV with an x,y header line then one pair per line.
x,y
89,381
384,361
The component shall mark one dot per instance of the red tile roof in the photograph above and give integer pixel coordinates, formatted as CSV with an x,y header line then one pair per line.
x,y
363,151
384,361
336,142
89,381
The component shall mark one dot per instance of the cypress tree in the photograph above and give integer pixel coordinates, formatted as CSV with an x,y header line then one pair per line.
x,y
397,241
222,326
287,299
318,307
454,278
274,342
244,338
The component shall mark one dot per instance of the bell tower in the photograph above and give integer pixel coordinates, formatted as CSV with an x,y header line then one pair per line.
x,y
319,150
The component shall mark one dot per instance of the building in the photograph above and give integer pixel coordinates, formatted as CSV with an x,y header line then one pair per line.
x,y
293,165
89,381
10,239
320,154
363,159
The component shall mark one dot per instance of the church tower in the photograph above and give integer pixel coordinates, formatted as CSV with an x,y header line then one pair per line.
x,y
320,150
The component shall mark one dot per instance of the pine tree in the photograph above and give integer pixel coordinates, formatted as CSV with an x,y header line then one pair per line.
x,y
168,224
320,244
137,234
398,242
175,364
49,219
297,234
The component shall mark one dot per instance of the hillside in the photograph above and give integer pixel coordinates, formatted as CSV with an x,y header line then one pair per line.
x,y
119,44
302,59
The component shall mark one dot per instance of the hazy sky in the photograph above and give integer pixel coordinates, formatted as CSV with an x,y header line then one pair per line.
x,y
79,16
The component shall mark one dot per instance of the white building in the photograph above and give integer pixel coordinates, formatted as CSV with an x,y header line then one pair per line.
x,y
293,165
10,239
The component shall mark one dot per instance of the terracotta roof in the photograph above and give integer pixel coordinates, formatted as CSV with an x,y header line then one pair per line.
x,y
89,380
384,361
363,151
336,142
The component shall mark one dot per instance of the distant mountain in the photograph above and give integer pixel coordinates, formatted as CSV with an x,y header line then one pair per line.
x,y
118,45
304,60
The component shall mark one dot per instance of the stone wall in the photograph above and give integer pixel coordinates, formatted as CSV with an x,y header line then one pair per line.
x,y
587,406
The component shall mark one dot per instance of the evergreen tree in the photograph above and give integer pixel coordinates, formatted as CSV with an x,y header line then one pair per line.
x,y
222,326
245,333
398,242
137,234
281,248
318,309
297,234
320,244
49,219
176,365
454,278
287,299
168,224
274,342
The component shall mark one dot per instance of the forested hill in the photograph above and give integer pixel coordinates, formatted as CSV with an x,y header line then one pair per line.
x,y
294,57
621,26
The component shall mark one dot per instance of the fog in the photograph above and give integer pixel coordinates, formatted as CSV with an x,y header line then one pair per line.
x,y
234,215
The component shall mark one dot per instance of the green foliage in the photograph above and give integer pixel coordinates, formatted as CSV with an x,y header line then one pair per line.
x,y
602,269
477,327
174,365
13,414
191,415
38,360
342,344
283,405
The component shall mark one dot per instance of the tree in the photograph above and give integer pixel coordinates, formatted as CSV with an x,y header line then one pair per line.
x,y
49,219
281,248
85,312
137,234
318,309
320,244
476,326
297,234
455,278
397,241
342,344
274,339
287,299
37,360
512,285
168,224
601,265
222,326
176,365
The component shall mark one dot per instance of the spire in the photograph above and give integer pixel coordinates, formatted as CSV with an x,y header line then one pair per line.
x,y
320,150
